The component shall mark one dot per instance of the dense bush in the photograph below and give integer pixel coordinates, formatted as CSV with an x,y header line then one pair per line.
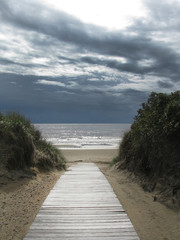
x,y
21,145
152,146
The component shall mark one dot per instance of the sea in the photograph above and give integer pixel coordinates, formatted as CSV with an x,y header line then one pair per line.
x,y
84,136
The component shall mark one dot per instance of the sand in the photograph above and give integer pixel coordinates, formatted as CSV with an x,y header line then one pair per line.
x,y
21,196
151,219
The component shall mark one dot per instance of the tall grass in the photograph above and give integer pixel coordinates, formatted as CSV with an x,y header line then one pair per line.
x,y
152,146
22,146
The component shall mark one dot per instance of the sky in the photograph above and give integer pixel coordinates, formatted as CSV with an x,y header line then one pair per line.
x,y
93,61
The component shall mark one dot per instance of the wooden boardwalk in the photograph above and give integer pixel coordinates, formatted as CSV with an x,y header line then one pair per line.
x,y
82,206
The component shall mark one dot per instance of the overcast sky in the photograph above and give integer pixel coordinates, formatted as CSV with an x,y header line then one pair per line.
x,y
86,60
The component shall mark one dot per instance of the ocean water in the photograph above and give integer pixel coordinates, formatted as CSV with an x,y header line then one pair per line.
x,y
83,136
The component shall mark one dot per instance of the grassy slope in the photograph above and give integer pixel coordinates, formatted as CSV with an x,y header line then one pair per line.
x,y
151,149
22,146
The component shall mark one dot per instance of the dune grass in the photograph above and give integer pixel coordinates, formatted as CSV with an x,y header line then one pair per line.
x,y
22,146
152,146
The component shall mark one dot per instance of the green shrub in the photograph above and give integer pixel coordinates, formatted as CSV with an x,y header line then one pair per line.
x,y
48,151
152,146
20,142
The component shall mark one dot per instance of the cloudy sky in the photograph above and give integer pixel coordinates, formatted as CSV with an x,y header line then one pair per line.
x,y
86,60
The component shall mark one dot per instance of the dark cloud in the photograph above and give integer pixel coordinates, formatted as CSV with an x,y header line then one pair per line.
x,y
95,39
163,17
130,66
4,61
165,84
86,72
53,103
165,12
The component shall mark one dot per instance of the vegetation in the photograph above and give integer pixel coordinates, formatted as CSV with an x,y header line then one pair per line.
x,y
152,146
22,146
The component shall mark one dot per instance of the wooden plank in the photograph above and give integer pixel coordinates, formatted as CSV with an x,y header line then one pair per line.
x,y
83,232
82,205
77,237
55,237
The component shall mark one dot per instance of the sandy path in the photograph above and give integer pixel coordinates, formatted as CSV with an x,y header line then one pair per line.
x,y
20,200
152,220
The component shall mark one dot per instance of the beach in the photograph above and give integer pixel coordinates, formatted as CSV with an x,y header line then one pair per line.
x,y
21,197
